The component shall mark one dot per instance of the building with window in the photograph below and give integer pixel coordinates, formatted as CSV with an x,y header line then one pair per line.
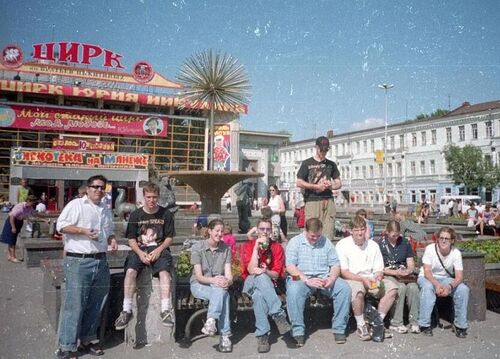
x,y
416,168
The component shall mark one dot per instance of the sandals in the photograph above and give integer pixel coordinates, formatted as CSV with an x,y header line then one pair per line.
x,y
92,349
67,354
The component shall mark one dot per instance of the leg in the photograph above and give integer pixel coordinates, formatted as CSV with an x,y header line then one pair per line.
x,y
386,302
218,307
460,302
328,219
165,284
296,295
427,301
341,295
129,284
413,300
260,308
398,308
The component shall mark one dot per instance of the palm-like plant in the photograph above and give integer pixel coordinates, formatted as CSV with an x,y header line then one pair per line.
x,y
215,79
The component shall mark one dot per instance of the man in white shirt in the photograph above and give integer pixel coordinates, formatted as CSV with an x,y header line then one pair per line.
x,y
362,266
87,226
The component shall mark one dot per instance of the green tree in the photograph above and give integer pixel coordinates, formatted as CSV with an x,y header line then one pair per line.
x,y
469,167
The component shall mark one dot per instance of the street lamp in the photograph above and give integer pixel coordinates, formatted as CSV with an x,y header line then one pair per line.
x,y
385,87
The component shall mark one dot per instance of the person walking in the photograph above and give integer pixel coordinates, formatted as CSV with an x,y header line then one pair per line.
x,y
319,177
87,227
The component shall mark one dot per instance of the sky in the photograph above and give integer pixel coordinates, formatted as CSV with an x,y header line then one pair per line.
x,y
314,65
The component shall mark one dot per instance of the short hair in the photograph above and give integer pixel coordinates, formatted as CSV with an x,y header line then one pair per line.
x,y
361,212
266,212
357,222
215,222
449,230
228,228
97,178
314,225
150,187
264,220
393,226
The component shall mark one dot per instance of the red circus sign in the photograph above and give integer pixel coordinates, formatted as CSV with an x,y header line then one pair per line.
x,y
79,120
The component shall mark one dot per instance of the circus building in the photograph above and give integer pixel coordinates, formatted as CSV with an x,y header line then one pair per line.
x,y
73,110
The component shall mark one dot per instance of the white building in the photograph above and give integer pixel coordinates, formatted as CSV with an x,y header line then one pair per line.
x,y
416,168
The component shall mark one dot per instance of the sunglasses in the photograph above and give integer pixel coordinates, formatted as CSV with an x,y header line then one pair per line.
x,y
97,187
265,229
445,239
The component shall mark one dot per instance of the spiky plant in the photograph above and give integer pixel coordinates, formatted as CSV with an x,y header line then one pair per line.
x,y
215,79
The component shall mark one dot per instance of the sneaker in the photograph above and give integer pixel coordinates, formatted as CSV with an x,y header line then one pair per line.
x,y
263,344
122,321
401,329
209,328
362,333
225,345
460,332
339,338
281,323
415,329
427,331
167,318
300,340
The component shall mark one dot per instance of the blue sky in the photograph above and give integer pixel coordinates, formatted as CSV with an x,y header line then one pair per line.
x,y
313,65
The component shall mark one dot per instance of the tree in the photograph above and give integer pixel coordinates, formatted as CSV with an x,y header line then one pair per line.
x,y
469,167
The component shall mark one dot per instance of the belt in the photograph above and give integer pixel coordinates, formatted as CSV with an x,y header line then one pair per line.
x,y
100,255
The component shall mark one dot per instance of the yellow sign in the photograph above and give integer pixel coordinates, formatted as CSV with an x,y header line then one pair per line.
x,y
379,156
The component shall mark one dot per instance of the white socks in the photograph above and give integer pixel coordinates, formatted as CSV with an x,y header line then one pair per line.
x,y
166,304
127,305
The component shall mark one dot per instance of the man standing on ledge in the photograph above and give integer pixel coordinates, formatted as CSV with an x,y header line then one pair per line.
x,y
87,226
319,176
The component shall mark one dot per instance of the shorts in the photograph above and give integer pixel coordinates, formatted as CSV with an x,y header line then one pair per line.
x,y
377,293
163,263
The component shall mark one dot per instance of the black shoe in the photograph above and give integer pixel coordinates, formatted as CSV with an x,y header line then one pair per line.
x,y
122,321
460,332
167,318
339,338
300,340
281,323
427,331
263,344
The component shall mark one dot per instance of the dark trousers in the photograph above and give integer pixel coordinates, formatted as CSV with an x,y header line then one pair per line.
x,y
243,222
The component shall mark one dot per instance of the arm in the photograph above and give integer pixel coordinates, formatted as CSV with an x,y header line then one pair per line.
x,y
12,219
253,264
252,233
73,229
332,277
346,274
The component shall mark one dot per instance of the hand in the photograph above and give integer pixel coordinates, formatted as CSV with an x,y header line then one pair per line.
x,y
379,277
13,230
221,281
443,290
154,255
366,283
114,246
144,257
328,282
315,283
91,233
258,271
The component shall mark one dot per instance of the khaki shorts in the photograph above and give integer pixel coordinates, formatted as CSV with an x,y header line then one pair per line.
x,y
378,293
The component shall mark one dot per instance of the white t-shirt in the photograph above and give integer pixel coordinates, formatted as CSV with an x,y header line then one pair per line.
x,y
452,261
40,207
364,260
274,203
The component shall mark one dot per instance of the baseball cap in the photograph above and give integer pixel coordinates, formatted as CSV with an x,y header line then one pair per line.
x,y
323,143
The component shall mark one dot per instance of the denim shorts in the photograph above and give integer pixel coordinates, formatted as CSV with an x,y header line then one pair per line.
x,y
163,263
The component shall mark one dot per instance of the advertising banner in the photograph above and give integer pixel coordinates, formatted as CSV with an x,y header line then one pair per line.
x,y
77,144
222,148
33,117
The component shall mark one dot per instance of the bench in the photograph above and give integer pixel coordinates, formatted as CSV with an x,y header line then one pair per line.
x,y
492,285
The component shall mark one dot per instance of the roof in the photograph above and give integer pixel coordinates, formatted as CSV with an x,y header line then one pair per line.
x,y
467,108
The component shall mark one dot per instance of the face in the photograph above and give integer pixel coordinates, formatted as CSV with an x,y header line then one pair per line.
x,y
216,233
23,182
272,191
313,237
150,200
264,229
321,154
393,235
444,242
358,234
152,125
95,191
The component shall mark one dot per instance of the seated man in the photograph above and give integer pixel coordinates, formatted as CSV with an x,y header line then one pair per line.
x,y
442,275
362,266
150,232
312,265
262,265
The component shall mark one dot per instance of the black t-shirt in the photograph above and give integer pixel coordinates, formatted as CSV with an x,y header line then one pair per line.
x,y
313,171
150,228
396,256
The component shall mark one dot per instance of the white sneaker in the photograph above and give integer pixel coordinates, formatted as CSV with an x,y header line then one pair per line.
x,y
209,328
401,329
225,345
415,329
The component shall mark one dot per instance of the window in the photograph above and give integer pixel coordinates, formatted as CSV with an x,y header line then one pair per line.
x,y
413,196
433,137
448,135
489,129
365,146
401,141
343,149
461,133
389,170
358,147
372,146
474,131
357,171
399,169
381,170
432,168
383,142
423,136
371,172
393,146
363,170
413,169
422,167
414,139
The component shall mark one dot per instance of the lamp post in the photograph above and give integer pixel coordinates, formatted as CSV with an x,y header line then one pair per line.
x,y
385,87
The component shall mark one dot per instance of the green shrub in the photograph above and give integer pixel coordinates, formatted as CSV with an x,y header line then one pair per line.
x,y
490,248
184,266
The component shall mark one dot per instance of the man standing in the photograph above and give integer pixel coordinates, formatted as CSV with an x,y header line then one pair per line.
x,y
24,191
362,266
87,227
318,177
312,265
150,232
243,203
262,265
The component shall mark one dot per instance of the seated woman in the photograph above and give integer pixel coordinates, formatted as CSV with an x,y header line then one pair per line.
x,y
486,222
442,275
424,213
398,268
210,281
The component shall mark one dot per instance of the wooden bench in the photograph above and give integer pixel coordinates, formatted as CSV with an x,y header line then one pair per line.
x,y
492,285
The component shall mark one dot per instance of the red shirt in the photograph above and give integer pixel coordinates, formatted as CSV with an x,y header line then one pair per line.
x,y
273,258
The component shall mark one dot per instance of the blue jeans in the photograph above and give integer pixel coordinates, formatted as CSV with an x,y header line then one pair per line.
x,y
86,291
218,304
265,301
296,294
460,297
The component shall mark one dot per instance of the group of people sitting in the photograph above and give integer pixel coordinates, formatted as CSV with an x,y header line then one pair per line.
x,y
355,269
483,219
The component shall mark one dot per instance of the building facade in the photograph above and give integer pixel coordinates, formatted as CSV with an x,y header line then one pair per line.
x,y
415,164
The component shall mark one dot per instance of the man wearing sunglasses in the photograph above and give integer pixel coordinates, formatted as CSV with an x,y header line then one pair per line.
x,y
87,227
262,265
319,177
